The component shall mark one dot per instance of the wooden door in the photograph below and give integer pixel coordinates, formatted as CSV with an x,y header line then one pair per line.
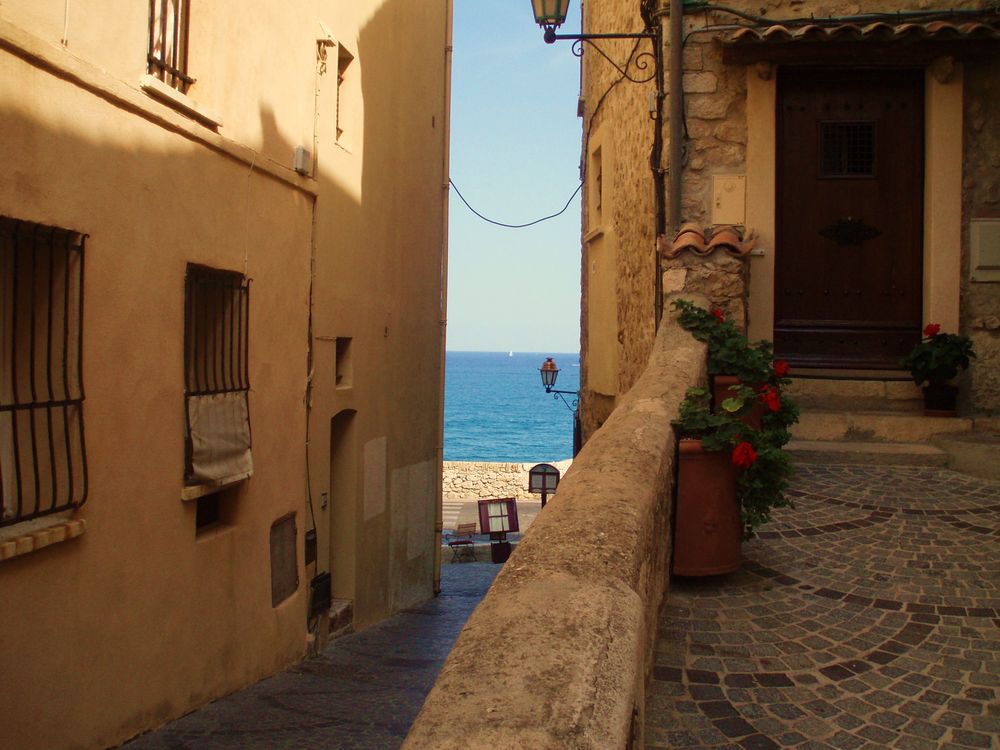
x,y
849,259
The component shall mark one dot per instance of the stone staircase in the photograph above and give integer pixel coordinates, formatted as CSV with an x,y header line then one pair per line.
x,y
881,422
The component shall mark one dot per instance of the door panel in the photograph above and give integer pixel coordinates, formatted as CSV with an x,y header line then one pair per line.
x,y
849,262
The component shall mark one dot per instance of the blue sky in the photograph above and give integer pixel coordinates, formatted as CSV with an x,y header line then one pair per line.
x,y
515,154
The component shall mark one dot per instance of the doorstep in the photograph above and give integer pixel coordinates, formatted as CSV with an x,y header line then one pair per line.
x,y
875,426
867,453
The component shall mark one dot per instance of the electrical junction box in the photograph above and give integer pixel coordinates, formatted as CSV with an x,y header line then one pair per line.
x,y
984,243
301,160
729,199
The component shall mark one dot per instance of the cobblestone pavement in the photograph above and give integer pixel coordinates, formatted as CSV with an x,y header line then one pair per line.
x,y
867,617
364,692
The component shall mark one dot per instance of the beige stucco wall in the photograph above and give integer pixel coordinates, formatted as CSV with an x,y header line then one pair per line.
x,y
379,274
139,621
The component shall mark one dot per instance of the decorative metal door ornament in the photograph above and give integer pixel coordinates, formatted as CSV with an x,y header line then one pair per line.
x,y
849,231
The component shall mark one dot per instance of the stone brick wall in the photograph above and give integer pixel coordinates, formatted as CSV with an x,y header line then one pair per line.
x,y
981,301
473,480
720,277
620,112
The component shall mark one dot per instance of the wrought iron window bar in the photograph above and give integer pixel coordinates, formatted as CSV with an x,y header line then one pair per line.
x,y
216,323
167,56
43,459
216,337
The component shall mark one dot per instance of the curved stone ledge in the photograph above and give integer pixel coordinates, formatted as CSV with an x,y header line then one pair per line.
x,y
557,654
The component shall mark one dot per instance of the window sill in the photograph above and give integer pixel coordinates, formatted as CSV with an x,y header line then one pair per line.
x,y
31,536
195,491
174,98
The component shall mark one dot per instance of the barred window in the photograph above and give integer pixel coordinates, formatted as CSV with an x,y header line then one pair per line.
x,y
43,466
168,42
216,326
847,149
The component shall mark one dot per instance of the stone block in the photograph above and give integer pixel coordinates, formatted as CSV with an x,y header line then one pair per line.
x,y
707,107
673,280
700,83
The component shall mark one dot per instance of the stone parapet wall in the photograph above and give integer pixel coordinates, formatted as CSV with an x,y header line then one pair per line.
x,y
585,583
473,480
722,278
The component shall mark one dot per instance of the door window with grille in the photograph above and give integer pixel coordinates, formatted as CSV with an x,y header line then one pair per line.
x,y
216,336
43,467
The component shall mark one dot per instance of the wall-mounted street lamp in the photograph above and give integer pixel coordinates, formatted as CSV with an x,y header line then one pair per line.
x,y
550,372
551,14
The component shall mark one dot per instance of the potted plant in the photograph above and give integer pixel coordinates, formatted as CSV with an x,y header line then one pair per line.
x,y
707,526
936,360
733,359
730,475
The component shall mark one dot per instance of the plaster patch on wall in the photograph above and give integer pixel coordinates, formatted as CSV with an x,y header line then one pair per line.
x,y
413,495
375,463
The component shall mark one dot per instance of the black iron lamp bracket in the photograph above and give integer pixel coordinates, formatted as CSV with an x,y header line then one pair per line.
x,y
642,61
559,396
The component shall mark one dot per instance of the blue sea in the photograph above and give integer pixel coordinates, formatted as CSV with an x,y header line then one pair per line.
x,y
496,409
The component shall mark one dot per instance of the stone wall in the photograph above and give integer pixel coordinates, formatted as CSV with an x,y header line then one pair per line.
x,y
616,113
981,300
473,480
720,277
586,583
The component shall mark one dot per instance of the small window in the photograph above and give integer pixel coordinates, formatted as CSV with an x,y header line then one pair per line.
x,y
216,352
167,57
847,149
344,60
597,186
345,363
284,568
43,465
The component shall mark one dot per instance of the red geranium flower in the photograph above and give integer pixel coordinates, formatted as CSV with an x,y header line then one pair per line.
x,y
717,314
932,330
780,368
771,399
744,455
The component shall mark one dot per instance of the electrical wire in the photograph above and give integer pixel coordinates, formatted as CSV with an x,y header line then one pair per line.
x,y
514,226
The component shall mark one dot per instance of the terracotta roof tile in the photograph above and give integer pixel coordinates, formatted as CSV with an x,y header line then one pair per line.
x,y
878,31
694,239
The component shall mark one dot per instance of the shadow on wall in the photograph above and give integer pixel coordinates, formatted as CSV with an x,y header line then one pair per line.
x,y
151,204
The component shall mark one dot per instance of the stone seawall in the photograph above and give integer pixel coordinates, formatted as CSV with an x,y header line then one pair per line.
x,y
472,480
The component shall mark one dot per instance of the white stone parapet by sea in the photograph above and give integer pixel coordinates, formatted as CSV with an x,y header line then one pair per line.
x,y
474,480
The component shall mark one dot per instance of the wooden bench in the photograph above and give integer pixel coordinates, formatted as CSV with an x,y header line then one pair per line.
x,y
463,543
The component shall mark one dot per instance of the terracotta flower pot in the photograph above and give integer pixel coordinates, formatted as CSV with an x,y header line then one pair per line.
x,y
708,532
940,400
720,392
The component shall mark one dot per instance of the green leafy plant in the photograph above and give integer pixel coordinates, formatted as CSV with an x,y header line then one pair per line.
x,y
729,351
765,467
938,357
